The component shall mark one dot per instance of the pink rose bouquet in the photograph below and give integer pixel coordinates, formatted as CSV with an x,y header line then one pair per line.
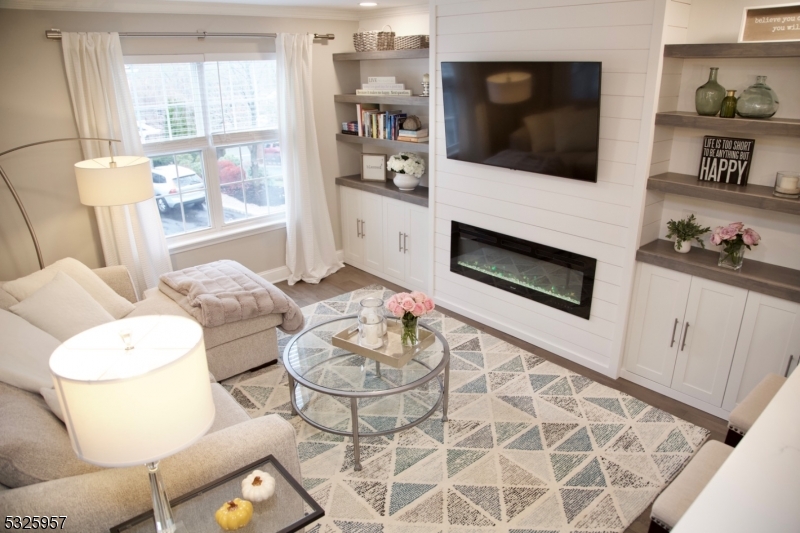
x,y
733,238
408,307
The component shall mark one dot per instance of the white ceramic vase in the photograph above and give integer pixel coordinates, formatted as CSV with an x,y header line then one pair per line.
x,y
685,247
405,182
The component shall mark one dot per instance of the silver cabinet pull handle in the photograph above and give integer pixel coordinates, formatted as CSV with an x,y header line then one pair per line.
x,y
363,233
399,241
405,248
685,330
358,227
788,366
674,328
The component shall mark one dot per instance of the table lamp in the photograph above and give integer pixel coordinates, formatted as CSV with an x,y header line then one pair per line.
x,y
133,392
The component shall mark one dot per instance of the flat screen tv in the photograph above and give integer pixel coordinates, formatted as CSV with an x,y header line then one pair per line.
x,y
541,117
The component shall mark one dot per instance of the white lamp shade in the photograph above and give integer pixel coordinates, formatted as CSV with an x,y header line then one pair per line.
x,y
131,407
509,87
102,184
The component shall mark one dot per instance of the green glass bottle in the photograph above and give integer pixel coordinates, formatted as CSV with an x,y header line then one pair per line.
x,y
708,97
728,109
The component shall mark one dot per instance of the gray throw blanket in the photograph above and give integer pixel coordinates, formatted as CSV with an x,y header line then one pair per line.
x,y
224,291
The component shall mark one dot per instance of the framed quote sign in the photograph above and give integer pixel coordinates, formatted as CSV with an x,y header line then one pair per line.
x,y
773,23
373,167
726,160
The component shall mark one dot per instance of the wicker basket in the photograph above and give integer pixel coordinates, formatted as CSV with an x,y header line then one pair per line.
x,y
371,41
412,42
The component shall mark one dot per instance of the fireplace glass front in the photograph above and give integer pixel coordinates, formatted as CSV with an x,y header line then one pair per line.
x,y
557,278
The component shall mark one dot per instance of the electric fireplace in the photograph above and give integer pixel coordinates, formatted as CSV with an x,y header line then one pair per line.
x,y
550,276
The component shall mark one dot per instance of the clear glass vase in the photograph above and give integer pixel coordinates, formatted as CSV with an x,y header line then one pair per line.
x,y
757,101
708,97
410,334
732,256
371,323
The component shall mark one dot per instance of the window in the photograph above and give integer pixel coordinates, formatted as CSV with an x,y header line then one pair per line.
x,y
211,131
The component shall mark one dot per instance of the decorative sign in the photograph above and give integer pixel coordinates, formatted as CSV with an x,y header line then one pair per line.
x,y
373,167
726,160
770,23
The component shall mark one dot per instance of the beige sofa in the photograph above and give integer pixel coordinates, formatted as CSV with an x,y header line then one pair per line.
x,y
36,456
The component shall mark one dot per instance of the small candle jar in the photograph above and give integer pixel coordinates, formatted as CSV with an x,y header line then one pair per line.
x,y
787,185
371,323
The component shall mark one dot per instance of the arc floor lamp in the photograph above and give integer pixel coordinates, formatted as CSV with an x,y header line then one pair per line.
x,y
102,181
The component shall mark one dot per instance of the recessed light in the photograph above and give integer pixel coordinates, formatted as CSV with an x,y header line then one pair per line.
x,y
368,4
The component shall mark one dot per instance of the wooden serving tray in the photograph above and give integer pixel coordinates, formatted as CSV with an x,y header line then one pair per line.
x,y
392,353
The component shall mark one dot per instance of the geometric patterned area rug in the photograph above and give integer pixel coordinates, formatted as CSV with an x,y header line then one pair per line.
x,y
530,447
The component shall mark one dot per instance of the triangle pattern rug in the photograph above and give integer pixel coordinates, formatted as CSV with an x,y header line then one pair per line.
x,y
529,446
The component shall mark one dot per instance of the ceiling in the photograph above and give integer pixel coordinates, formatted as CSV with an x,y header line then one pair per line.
x,y
335,9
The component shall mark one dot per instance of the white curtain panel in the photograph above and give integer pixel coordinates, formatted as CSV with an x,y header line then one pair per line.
x,y
310,248
131,235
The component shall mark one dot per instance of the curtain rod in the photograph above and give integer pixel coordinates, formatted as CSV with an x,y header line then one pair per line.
x,y
55,34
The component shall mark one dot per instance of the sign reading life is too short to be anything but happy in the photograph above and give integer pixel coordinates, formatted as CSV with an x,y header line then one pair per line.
x,y
726,160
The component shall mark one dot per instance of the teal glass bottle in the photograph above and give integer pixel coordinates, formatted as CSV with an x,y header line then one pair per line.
x,y
728,109
758,100
708,97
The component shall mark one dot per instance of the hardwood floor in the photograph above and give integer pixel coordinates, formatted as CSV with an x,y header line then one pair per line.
x,y
349,279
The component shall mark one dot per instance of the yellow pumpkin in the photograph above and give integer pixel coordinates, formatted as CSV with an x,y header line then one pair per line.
x,y
234,514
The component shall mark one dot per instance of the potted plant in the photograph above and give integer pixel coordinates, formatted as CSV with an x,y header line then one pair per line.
x,y
685,231
734,238
408,167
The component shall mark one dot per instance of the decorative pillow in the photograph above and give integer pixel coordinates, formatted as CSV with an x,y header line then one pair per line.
x,y
112,302
51,399
6,300
25,353
34,445
62,308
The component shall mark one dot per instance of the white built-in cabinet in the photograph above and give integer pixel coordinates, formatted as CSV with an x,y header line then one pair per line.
x,y
707,340
386,237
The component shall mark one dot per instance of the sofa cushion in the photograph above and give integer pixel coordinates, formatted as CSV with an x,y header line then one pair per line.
x,y
113,303
25,353
62,308
228,411
747,412
34,444
6,300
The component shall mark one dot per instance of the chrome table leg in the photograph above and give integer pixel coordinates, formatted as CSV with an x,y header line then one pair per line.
x,y
446,393
291,394
356,449
378,368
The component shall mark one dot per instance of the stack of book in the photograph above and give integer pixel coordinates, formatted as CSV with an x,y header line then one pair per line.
x,y
418,136
350,128
372,122
382,86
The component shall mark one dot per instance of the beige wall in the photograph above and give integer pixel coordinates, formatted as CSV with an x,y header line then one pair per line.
x,y
719,21
35,105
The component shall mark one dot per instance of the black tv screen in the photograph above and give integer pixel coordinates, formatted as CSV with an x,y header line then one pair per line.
x,y
541,117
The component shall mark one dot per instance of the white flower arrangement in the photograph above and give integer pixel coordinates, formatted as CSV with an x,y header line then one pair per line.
x,y
407,163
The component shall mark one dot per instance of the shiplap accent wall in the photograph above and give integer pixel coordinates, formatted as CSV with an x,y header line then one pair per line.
x,y
602,219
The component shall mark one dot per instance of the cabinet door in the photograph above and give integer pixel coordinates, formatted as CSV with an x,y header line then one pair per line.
x,y
655,328
351,226
394,260
769,343
710,330
371,230
416,247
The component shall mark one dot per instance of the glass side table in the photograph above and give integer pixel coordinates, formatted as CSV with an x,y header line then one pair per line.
x,y
290,509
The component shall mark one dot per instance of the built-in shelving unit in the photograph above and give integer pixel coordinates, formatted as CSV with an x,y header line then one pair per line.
x,y
757,196
763,278
419,196
395,100
387,54
771,126
421,148
732,50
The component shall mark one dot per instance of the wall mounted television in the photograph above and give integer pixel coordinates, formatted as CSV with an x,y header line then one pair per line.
x,y
541,117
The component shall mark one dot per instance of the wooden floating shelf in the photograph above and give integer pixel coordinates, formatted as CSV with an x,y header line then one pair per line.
x,y
419,196
395,145
757,196
786,127
734,50
772,280
397,100
387,54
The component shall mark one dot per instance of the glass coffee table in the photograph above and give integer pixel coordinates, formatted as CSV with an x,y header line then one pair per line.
x,y
345,394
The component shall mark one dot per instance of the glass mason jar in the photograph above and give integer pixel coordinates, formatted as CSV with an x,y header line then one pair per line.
x,y
371,323
787,184
410,334
708,97
732,256
728,109
757,101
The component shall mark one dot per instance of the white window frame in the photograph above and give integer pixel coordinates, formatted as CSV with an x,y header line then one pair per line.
x,y
219,230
